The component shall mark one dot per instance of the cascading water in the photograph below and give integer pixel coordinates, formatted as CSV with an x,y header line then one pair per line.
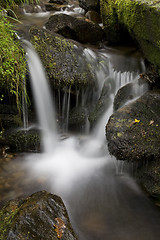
x,y
101,205
43,100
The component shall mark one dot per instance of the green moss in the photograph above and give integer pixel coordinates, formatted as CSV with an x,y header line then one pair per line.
x,y
142,20
61,59
7,218
110,20
152,53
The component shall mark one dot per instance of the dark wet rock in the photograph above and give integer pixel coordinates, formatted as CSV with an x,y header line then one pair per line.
x,y
94,16
151,76
148,175
129,92
78,119
40,216
133,132
75,28
103,103
123,95
58,1
9,117
8,121
89,5
52,7
8,109
63,61
21,141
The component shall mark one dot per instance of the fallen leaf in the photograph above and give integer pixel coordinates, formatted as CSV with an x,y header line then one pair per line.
x,y
136,120
151,122
59,227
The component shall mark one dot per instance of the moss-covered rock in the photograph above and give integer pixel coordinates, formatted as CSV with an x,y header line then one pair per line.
x,y
110,20
141,19
21,141
40,216
63,60
133,132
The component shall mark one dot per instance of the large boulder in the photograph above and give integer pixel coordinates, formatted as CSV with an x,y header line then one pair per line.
x,y
140,18
133,134
133,131
40,216
58,1
63,61
75,28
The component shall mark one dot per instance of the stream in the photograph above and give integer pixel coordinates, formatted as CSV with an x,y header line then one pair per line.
x,y
103,200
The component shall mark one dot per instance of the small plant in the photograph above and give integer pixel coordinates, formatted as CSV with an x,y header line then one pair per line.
x,y
12,63
13,3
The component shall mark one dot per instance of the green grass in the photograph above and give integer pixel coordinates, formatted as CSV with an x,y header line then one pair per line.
x,y
13,3
12,63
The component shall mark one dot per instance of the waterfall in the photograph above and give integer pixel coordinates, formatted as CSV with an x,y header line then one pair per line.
x,y
43,99
24,106
106,76
80,168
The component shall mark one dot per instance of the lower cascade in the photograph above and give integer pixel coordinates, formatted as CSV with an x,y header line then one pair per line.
x,y
102,203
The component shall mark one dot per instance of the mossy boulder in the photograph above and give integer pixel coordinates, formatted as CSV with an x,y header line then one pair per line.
x,y
133,134
21,141
63,61
133,131
75,28
39,216
141,18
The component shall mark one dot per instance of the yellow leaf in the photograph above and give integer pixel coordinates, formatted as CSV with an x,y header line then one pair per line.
x,y
59,227
136,120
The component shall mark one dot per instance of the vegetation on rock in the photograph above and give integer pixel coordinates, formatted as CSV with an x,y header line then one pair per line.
x,y
13,3
63,61
142,20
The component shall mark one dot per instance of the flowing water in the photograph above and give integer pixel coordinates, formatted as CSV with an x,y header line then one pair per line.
x,y
103,203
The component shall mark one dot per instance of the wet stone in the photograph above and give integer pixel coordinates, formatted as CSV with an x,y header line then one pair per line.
x,y
39,216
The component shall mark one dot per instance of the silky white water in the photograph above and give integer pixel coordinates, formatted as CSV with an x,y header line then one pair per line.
x,y
101,205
